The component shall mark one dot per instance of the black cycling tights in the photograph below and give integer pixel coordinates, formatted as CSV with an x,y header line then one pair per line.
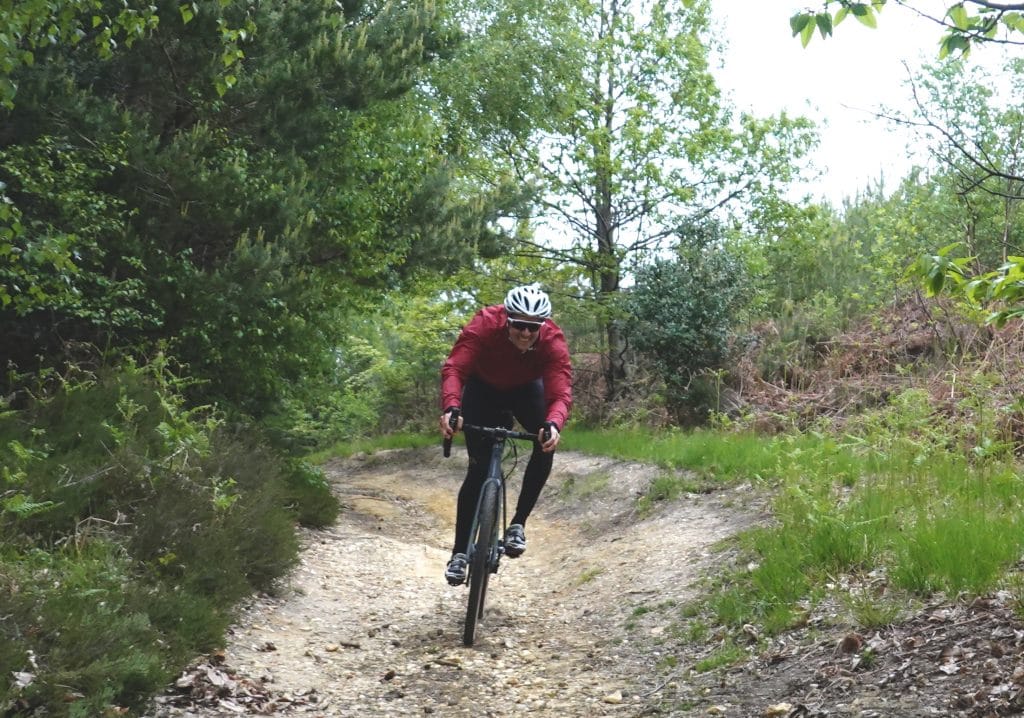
x,y
484,405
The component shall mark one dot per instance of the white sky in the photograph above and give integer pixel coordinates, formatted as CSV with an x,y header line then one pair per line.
x,y
837,82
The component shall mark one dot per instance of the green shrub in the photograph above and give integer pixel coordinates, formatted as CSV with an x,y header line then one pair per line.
x,y
682,312
75,622
222,535
309,495
131,526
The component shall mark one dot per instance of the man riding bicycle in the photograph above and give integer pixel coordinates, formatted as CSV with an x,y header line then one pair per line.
x,y
509,358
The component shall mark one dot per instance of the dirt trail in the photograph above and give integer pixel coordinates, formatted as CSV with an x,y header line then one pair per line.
x,y
368,627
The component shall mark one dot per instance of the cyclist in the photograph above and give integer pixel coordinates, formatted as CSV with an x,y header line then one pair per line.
x,y
509,358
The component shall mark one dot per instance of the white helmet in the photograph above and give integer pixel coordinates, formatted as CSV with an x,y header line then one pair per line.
x,y
528,301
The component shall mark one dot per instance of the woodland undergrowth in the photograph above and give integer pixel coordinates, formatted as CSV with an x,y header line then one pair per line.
x,y
130,527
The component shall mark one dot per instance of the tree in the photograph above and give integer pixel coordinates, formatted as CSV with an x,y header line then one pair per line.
x,y
975,137
31,26
982,160
963,30
642,143
148,208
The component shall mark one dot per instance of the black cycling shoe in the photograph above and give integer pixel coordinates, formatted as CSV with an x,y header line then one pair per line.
x,y
515,541
456,570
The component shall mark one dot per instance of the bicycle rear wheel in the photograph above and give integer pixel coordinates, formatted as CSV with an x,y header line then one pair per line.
x,y
480,564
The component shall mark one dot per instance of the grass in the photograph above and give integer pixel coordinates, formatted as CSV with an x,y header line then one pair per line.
x,y
727,655
722,458
589,575
929,521
663,488
583,487
873,612
378,443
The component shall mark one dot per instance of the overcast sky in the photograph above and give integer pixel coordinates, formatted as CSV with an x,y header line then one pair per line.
x,y
837,82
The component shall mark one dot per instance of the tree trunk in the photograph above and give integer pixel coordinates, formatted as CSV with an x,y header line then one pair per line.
x,y
608,287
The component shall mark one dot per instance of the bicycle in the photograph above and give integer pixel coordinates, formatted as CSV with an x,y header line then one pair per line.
x,y
486,545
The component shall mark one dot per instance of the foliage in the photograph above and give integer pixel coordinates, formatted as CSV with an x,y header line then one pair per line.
x,y
240,210
33,26
965,119
376,443
326,160
681,314
664,488
901,501
805,23
384,378
131,526
640,143
82,629
894,497
784,253
724,457
1000,290
852,263
306,490
975,141
798,339
964,23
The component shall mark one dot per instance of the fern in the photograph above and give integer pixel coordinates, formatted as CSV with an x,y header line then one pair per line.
x,y
23,506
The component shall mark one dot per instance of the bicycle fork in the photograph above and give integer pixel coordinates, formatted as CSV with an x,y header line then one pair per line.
x,y
494,475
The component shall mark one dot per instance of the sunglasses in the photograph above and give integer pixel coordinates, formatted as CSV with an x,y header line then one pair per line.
x,y
525,326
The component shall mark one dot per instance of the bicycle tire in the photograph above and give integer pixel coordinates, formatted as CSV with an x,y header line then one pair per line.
x,y
480,564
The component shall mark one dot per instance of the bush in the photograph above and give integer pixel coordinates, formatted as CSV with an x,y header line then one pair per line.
x,y
131,526
76,629
309,495
682,312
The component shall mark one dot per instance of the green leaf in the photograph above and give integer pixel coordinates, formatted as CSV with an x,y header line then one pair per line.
x,y
798,22
1014,21
954,43
959,16
24,506
824,22
948,248
807,33
866,16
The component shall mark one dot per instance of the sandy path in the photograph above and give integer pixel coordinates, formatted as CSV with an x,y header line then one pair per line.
x,y
368,627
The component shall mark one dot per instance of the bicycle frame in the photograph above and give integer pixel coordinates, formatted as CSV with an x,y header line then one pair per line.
x,y
495,475
486,529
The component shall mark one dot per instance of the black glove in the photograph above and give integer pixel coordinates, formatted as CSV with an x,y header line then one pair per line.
x,y
545,435
453,422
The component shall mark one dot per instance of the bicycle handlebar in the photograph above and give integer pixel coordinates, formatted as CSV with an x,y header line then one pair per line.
x,y
500,432
497,432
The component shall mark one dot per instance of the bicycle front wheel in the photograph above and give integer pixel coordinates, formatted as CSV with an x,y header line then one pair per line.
x,y
485,546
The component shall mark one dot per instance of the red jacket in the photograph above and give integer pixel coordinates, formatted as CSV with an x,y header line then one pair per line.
x,y
483,350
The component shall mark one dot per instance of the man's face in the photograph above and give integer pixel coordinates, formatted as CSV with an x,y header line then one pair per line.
x,y
523,331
